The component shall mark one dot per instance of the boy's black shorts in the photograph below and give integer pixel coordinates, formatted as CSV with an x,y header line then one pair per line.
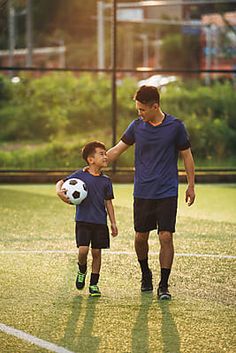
x,y
155,214
96,234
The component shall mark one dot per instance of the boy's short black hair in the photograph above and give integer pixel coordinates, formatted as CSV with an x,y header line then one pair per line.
x,y
90,148
147,95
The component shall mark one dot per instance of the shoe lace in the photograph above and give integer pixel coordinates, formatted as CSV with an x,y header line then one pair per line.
x,y
94,288
81,276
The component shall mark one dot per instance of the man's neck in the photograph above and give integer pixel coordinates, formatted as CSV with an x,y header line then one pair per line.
x,y
159,117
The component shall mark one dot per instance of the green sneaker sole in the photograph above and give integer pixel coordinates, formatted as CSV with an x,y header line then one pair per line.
x,y
95,294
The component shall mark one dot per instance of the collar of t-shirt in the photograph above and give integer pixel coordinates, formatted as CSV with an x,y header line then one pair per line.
x,y
86,169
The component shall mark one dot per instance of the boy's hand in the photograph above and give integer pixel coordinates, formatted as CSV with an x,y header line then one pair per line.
x,y
114,230
62,194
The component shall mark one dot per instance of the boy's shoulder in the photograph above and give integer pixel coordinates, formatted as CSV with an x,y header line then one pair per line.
x,y
105,176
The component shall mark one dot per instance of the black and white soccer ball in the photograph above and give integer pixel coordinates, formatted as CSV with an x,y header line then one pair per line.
x,y
76,190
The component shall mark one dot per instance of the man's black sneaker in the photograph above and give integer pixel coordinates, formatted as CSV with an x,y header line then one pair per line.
x,y
80,280
146,282
163,293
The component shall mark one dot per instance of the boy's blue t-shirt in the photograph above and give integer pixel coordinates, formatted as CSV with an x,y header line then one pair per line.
x,y
156,156
92,209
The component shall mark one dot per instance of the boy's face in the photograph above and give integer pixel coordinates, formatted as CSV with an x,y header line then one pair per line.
x,y
147,112
99,158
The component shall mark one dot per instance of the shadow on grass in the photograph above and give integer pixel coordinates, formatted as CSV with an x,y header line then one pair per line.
x,y
84,341
169,332
140,334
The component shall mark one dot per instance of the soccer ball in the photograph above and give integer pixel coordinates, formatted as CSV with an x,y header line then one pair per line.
x,y
76,190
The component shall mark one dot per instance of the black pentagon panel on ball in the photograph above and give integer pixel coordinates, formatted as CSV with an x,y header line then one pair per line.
x,y
73,182
76,194
85,187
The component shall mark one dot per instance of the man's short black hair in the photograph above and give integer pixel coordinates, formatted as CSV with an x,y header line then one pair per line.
x,y
90,148
147,95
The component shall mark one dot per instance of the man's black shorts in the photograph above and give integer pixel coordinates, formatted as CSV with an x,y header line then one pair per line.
x,y
155,214
96,234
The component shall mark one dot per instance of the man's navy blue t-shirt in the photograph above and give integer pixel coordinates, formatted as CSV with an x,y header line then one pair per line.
x,y
156,156
92,209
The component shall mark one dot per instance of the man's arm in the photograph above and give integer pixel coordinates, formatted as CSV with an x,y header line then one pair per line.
x,y
111,214
189,168
114,152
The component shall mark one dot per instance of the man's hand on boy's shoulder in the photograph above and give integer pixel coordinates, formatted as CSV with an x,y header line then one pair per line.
x,y
114,230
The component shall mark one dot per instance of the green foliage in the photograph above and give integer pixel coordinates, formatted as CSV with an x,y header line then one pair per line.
x,y
57,114
178,47
208,113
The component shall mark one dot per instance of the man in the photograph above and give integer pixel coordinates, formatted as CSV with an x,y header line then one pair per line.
x,y
158,138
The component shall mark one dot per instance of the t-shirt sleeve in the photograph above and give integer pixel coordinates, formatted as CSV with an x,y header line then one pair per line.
x,y
182,139
109,195
128,136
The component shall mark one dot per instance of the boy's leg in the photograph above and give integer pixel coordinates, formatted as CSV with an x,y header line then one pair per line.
x,y
96,266
82,263
82,257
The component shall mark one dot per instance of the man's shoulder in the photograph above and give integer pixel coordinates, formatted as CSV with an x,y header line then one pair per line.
x,y
136,121
172,119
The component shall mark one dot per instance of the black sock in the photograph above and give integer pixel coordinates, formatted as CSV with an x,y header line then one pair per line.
x,y
82,268
165,273
94,279
144,266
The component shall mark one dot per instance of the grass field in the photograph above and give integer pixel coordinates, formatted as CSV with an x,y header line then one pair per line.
x,y
38,269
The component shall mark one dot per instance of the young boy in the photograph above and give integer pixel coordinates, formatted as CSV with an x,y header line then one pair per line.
x,y
91,214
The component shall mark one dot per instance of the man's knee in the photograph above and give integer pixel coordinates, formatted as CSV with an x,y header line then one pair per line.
x,y
96,253
141,237
166,238
83,250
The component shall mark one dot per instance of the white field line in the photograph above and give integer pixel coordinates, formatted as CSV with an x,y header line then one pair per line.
x,y
130,253
32,339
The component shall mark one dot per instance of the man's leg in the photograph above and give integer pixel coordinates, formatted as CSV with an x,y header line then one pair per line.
x,y
96,266
166,259
141,248
82,263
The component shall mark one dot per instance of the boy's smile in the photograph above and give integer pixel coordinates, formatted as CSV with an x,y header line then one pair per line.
x,y
99,159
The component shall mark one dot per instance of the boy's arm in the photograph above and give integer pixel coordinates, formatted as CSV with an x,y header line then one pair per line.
x,y
114,152
189,168
111,214
61,192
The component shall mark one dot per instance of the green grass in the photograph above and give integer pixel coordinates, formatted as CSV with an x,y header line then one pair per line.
x,y
38,293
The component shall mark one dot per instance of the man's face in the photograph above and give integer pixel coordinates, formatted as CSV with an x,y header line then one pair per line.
x,y
147,112
99,158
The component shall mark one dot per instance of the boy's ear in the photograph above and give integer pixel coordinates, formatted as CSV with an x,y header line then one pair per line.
x,y
90,160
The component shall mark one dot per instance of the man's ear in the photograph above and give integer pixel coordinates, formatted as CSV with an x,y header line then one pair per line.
x,y
156,106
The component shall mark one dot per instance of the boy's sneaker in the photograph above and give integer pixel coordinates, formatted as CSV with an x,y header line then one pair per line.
x,y
163,293
146,282
94,291
80,280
